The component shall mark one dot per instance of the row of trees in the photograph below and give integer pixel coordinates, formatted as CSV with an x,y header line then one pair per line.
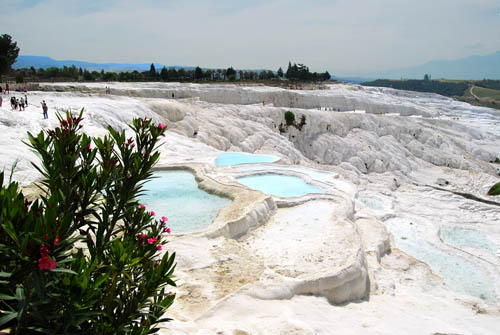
x,y
198,74
297,72
9,53
488,83
301,72
449,89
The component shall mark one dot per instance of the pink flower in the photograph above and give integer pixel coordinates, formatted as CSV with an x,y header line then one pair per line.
x,y
170,293
153,213
161,125
142,207
143,236
56,241
45,263
164,219
87,147
152,240
163,135
158,247
167,230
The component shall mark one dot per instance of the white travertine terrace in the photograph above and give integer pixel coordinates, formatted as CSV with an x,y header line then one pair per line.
x,y
323,263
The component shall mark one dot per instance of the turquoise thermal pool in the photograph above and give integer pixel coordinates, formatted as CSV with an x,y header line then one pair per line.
x,y
465,237
234,158
175,194
372,203
316,175
459,274
279,185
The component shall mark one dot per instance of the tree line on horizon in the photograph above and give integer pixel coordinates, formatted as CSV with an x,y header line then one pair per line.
x,y
445,88
9,52
297,72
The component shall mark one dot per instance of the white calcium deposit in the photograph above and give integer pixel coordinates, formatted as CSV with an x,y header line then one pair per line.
x,y
404,241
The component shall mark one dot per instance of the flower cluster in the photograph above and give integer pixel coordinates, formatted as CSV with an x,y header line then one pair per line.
x,y
161,126
153,240
45,262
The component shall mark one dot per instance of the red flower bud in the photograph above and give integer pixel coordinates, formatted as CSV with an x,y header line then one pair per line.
x,y
44,251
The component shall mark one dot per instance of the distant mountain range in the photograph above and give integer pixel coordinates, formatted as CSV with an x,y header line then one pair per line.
x,y
473,68
470,68
44,62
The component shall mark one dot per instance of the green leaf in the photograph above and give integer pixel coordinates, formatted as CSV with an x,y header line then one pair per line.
x,y
495,189
7,317
7,297
101,280
64,271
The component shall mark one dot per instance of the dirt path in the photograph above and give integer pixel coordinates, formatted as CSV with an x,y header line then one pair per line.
x,y
472,93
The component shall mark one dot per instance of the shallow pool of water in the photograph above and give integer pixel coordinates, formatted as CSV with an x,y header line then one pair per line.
x,y
316,175
372,203
279,185
465,237
175,194
458,273
234,158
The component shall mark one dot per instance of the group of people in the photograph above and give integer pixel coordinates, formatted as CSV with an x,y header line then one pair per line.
x,y
329,109
7,89
19,103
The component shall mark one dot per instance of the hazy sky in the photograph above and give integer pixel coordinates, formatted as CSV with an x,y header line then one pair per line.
x,y
343,36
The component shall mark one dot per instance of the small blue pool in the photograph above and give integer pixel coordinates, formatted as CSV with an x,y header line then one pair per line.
x,y
460,275
175,194
234,158
316,175
279,185
465,237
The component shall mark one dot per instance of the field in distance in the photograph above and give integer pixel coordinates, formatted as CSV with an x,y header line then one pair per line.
x,y
484,93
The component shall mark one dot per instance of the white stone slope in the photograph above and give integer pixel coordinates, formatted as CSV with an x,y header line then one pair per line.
x,y
295,260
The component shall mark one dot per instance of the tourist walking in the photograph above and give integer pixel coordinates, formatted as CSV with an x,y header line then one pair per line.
x,y
1,89
1,100
21,104
7,89
26,100
45,109
12,102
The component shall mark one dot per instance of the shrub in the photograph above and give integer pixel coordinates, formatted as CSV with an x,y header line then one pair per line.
x,y
289,118
84,257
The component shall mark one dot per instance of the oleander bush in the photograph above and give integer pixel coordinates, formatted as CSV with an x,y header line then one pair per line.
x,y
86,257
